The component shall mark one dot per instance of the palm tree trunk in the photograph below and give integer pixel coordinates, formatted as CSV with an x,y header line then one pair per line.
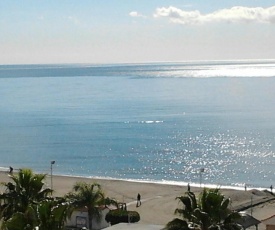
x,y
90,217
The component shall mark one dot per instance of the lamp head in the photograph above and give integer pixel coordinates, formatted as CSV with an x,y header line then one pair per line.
x,y
52,162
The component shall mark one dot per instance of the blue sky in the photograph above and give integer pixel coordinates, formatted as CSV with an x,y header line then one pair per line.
x,y
115,31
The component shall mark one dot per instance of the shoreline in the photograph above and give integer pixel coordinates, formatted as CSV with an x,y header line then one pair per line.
x,y
161,182
167,182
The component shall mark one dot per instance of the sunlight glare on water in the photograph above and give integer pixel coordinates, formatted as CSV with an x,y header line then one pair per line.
x,y
153,122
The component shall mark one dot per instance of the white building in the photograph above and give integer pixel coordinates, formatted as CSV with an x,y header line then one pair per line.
x,y
79,219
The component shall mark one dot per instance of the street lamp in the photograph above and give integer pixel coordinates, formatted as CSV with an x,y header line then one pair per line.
x,y
52,162
201,171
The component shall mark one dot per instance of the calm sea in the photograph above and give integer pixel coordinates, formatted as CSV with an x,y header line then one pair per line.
x,y
151,122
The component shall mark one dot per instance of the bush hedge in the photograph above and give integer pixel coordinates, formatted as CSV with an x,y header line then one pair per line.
x,y
122,216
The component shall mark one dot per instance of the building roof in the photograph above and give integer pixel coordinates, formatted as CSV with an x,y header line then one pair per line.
x,y
247,221
135,226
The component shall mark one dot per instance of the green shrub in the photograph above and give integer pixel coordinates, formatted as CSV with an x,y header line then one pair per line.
x,y
122,216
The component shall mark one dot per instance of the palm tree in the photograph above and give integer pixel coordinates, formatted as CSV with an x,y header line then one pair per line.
x,y
91,197
19,220
209,212
25,189
52,213
48,214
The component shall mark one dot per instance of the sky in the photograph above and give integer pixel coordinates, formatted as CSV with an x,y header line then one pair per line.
x,y
135,31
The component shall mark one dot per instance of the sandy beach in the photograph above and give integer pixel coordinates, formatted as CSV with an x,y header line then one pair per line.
x,y
158,200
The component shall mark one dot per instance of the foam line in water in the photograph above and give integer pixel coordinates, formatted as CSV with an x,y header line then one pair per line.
x,y
166,182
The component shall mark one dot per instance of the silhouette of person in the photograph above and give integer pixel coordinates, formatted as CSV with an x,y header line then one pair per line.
x,y
138,200
188,187
271,188
11,170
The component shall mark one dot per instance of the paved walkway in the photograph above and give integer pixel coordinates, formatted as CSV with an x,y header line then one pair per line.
x,y
254,203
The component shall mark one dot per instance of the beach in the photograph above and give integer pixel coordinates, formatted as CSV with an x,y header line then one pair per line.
x,y
158,200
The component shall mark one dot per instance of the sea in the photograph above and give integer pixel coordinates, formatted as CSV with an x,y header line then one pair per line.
x,y
204,122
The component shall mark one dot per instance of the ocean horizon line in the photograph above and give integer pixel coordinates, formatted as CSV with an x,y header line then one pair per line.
x,y
199,61
187,69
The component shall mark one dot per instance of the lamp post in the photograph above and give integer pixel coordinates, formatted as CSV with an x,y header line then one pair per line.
x,y
52,162
201,171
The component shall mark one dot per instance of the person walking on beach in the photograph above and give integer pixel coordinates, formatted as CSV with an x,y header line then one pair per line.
x,y
138,200
11,170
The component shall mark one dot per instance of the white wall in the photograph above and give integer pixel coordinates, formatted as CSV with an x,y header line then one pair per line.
x,y
83,216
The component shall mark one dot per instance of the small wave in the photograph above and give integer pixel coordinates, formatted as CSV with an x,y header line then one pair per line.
x,y
150,122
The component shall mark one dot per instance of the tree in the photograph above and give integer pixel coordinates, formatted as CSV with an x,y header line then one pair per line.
x,y
91,197
47,214
21,221
209,212
122,216
52,214
25,189
25,204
